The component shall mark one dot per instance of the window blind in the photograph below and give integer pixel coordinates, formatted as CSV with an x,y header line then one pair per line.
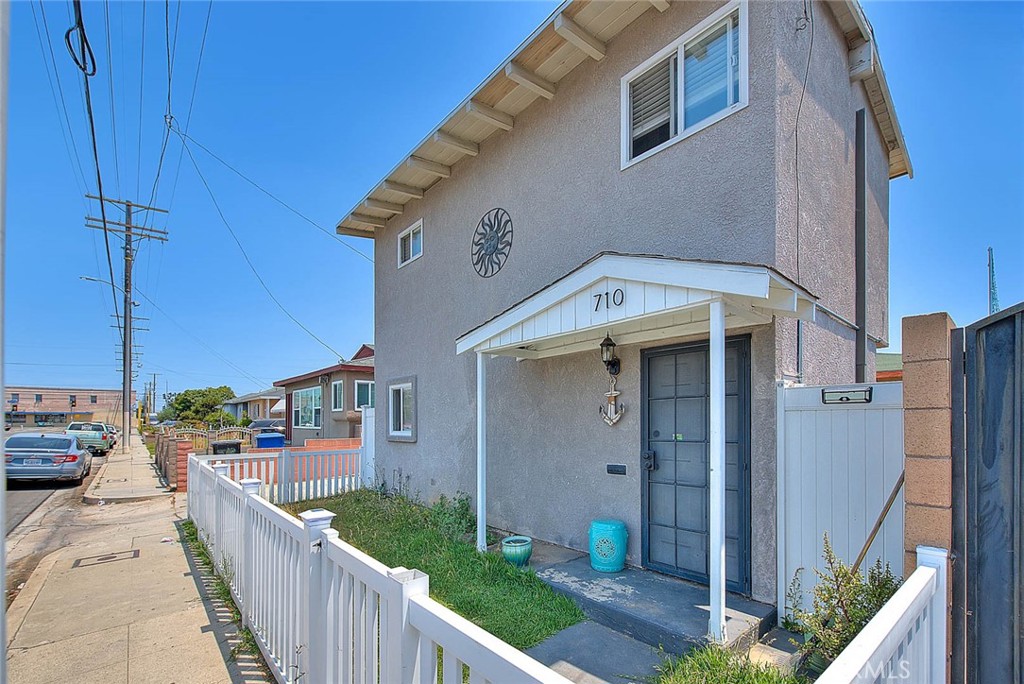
x,y
651,99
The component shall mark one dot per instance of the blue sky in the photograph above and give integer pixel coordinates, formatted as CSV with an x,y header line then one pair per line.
x,y
317,101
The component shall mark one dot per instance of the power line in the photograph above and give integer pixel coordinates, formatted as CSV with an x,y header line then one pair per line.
x,y
87,65
186,136
246,256
113,99
142,73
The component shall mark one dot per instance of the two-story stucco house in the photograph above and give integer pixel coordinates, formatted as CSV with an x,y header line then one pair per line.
x,y
700,184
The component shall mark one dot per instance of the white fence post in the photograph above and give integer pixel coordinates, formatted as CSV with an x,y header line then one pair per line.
x,y
401,638
285,475
246,566
313,658
938,611
366,462
220,470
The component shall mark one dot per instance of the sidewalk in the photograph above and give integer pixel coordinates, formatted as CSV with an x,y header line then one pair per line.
x,y
122,602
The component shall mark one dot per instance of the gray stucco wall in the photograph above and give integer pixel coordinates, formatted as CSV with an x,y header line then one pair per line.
x,y
333,424
724,193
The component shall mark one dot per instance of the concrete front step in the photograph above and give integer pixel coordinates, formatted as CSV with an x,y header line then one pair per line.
x,y
655,609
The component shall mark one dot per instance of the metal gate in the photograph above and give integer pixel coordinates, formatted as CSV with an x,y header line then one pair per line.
x,y
988,534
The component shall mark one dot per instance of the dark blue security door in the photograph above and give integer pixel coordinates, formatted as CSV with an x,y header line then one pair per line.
x,y
675,464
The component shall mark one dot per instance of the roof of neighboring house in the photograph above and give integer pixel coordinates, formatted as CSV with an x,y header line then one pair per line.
x,y
272,393
888,362
575,32
358,364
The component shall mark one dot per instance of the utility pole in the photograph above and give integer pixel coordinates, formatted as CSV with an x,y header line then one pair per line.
x,y
131,232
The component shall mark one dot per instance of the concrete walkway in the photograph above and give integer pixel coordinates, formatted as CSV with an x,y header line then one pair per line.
x,y
131,476
123,602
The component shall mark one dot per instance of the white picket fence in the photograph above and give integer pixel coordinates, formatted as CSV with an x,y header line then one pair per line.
x,y
289,476
837,465
906,640
323,611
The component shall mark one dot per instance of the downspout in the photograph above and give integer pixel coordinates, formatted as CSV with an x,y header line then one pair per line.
x,y
860,248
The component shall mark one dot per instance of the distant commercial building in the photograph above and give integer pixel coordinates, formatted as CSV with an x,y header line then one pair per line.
x,y
47,406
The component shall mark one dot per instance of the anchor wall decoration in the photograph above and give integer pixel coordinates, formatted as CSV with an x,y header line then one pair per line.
x,y
613,410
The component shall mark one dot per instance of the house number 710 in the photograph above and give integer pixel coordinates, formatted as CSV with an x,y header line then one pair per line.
x,y
610,299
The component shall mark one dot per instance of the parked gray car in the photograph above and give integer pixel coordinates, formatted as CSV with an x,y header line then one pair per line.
x,y
46,456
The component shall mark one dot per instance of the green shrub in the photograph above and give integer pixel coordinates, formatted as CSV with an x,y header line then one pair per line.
x,y
843,604
453,517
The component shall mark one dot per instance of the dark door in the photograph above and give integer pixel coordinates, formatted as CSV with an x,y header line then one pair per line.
x,y
988,499
675,481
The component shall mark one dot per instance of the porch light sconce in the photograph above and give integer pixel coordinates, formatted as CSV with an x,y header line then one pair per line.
x,y
611,362
612,410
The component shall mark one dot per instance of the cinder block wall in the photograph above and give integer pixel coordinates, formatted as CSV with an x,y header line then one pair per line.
x,y
927,430
927,443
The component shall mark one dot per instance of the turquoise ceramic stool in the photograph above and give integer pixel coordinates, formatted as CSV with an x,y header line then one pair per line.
x,y
608,545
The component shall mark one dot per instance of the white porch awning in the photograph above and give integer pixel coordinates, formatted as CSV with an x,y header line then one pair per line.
x,y
640,298
636,298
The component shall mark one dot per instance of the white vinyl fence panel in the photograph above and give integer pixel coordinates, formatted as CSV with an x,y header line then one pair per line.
x,y
837,465
323,611
906,640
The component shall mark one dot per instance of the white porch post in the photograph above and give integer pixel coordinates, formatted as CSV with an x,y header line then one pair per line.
x,y
481,452
716,463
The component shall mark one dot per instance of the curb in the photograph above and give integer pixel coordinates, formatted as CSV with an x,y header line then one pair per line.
x,y
22,603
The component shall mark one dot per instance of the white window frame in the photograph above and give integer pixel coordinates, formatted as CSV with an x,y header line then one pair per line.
x,y
338,383
407,383
408,231
678,47
315,425
355,397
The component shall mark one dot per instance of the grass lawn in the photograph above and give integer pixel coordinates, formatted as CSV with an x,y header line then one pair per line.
x,y
512,604
716,665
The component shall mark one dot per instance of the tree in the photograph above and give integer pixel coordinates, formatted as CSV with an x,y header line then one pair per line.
x,y
198,405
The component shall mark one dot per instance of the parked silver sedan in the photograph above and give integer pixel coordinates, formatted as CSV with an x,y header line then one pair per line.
x,y
46,456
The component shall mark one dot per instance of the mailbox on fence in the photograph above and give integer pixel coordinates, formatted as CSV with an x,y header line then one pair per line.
x,y
227,446
270,440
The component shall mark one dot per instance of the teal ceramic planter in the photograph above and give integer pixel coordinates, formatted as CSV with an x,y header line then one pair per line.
x,y
517,550
608,545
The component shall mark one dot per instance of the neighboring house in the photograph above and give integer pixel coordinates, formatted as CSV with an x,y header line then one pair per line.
x,y
263,404
889,367
49,406
327,403
644,156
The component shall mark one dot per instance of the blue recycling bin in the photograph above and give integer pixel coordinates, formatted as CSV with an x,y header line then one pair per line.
x,y
270,440
608,545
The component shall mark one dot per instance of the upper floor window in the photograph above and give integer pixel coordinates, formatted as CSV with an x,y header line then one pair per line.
x,y
696,81
93,399
410,243
306,408
39,398
15,397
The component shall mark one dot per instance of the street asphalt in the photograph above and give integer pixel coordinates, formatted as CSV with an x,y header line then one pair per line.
x,y
25,497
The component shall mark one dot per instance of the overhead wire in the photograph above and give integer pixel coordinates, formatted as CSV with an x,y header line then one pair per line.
x,y
113,99
248,261
142,73
87,65
329,233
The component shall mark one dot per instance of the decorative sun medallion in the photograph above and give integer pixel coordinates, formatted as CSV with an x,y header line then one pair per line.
x,y
492,242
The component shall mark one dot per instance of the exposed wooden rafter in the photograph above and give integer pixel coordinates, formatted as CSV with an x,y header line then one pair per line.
x,y
372,221
457,144
489,115
402,189
381,205
571,31
530,81
428,166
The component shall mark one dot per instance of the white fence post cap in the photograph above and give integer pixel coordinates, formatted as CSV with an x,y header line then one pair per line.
x,y
251,485
317,518
220,468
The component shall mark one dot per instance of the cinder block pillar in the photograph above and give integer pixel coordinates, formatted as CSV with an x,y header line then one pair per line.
x,y
927,442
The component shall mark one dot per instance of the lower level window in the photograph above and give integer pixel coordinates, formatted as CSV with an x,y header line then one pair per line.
x,y
364,394
402,410
306,408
